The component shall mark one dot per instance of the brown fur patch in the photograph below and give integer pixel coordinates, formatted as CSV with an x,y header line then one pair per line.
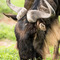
x,y
53,34
52,37
19,31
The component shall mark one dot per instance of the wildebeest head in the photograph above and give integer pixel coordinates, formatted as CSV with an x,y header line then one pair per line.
x,y
20,10
23,23
26,32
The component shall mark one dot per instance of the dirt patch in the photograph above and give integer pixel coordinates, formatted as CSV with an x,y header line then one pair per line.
x,y
6,43
8,21
11,22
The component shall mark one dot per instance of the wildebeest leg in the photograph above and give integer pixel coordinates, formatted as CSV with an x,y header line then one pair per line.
x,y
56,51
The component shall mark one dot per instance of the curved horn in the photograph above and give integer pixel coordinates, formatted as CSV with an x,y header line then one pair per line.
x,y
20,10
33,15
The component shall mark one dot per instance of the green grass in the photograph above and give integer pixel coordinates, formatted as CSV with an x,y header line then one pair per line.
x,y
8,53
7,32
5,9
59,19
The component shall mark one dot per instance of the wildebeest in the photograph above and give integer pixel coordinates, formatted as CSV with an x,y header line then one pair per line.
x,y
46,12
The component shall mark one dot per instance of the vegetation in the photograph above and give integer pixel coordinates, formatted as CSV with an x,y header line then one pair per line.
x,y
8,53
59,19
6,32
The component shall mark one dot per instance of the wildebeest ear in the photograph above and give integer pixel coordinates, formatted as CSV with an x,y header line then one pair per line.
x,y
12,16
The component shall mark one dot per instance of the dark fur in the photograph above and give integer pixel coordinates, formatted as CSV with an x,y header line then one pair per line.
x,y
28,4
35,4
25,36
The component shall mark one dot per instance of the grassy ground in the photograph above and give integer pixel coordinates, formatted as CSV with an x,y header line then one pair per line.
x,y
8,53
6,32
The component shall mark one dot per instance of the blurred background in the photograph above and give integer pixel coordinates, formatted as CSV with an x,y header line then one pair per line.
x,y
7,36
